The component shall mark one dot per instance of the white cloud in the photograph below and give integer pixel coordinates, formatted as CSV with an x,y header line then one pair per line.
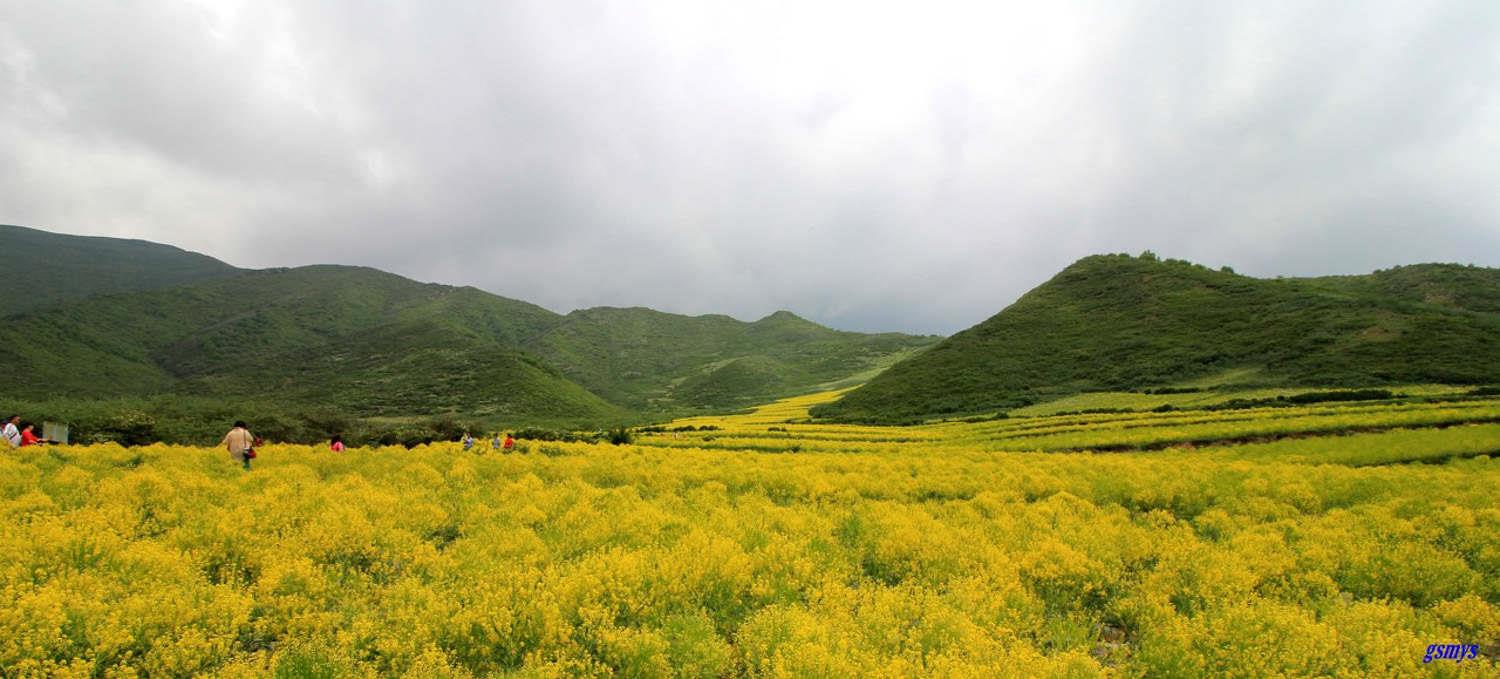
x,y
872,165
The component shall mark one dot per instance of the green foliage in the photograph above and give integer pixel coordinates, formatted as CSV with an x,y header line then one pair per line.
x,y
557,435
1158,391
619,436
1305,398
1120,323
131,428
657,429
728,385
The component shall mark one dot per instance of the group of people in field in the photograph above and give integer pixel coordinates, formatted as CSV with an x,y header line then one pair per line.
x,y
241,443
18,433
506,445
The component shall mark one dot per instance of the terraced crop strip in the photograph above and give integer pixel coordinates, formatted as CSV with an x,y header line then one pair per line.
x,y
1316,541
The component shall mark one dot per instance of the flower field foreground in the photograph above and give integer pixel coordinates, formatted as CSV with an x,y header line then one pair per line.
x,y
1284,547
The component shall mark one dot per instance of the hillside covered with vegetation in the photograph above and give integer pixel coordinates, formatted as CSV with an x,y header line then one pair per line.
x,y
1120,323
44,268
650,360
330,343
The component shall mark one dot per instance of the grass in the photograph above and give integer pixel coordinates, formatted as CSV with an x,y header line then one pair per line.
x,y
1375,448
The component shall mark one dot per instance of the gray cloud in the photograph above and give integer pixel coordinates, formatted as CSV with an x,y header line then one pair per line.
x,y
870,166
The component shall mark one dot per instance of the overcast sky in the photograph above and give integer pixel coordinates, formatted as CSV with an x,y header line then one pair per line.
x,y
905,166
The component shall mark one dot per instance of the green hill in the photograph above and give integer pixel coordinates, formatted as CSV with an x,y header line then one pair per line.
x,y
359,340
378,344
362,343
726,383
649,360
45,269
1117,322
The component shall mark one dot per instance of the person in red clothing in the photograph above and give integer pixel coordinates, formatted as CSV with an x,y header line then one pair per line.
x,y
337,445
509,445
29,437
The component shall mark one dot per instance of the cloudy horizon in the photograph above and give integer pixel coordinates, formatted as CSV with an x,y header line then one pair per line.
x,y
867,166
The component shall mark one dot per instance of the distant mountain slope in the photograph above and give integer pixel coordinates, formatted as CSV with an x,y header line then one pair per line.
x,y
370,343
1119,322
646,359
1451,286
43,268
352,338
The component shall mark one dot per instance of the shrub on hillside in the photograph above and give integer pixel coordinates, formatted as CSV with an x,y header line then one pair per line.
x,y
619,436
128,428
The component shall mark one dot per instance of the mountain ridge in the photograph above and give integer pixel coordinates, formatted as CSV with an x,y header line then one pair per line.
x,y
44,269
1115,322
375,344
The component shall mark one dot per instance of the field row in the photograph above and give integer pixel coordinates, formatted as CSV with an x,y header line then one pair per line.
x,y
1114,438
1376,448
1104,432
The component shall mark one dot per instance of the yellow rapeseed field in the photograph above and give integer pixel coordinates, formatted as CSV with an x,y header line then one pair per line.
x,y
1275,542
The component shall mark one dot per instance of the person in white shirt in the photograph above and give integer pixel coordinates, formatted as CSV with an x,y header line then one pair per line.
x,y
12,431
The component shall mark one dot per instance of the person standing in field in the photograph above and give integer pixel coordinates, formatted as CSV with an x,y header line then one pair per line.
x,y
12,431
495,443
468,441
337,445
509,445
240,443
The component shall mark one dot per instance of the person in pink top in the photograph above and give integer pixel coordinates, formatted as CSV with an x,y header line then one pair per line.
x,y
337,445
